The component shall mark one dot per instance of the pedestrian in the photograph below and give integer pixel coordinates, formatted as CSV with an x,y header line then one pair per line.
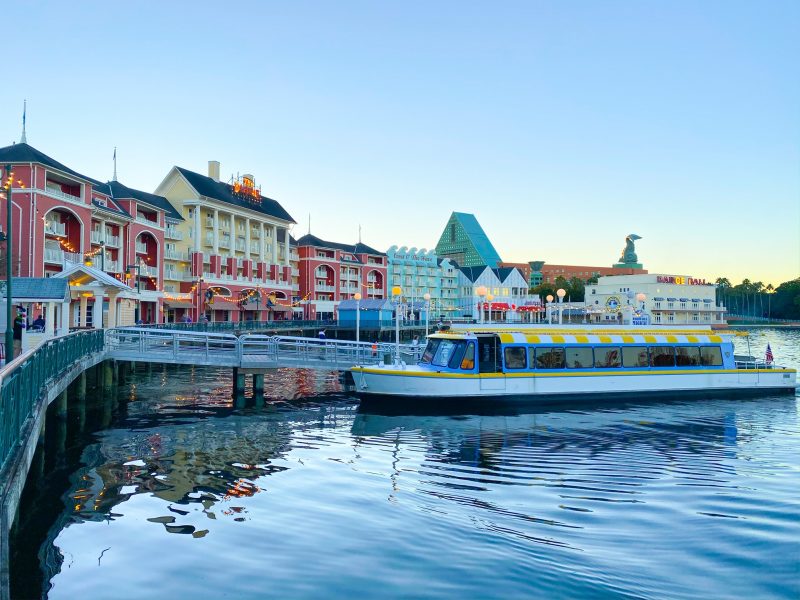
x,y
415,342
374,348
19,325
322,335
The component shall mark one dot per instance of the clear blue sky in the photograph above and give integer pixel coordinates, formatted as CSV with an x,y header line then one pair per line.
x,y
562,126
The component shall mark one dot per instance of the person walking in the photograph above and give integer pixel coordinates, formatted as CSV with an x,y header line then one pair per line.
x,y
19,325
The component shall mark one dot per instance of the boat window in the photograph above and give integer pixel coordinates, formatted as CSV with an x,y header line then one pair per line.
x,y
549,358
458,354
430,349
468,362
579,358
515,357
445,352
662,356
606,358
687,356
711,356
488,355
634,356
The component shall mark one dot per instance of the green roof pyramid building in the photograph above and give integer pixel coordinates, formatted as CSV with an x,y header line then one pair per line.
x,y
464,241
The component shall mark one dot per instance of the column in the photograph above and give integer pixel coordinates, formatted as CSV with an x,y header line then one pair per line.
x,y
82,311
50,319
64,318
274,244
103,232
286,256
216,232
247,238
197,238
232,237
262,243
112,310
97,312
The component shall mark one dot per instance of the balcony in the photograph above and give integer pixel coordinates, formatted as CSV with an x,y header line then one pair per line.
x,y
295,271
255,234
54,255
141,248
55,228
171,233
111,266
224,242
174,254
96,236
140,218
57,193
240,245
170,272
148,271
209,221
112,240
255,248
324,288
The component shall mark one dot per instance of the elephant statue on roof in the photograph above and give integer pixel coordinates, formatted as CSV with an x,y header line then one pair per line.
x,y
629,252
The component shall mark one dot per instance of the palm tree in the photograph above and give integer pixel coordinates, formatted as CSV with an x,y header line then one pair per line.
x,y
770,290
723,284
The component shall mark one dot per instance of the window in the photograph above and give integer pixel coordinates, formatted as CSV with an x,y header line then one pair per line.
x,y
662,356
711,356
579,358
468,361
430,350
458,354
515,358
687,356
445,352
549,358
634,356
605,358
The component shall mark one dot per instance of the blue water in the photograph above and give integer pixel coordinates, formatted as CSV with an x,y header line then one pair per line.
x,y
184,495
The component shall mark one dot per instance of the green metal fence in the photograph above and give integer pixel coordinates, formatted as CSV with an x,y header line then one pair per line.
x,y
22,383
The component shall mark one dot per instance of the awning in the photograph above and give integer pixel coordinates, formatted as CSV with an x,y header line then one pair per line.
x,y
280,308
531,308
498,305
178,304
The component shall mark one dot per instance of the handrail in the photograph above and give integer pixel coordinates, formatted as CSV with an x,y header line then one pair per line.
x,y
24,378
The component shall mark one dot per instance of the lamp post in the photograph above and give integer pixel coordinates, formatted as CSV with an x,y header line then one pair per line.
x,y
200,297
549,309
397,292
9,295
357,298
489,298
128,270
561,292
481,291
427,312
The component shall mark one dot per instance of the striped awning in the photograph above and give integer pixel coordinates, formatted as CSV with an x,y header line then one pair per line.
x,y
531,338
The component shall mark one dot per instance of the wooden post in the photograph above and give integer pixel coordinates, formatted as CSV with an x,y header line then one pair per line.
x,y
238,384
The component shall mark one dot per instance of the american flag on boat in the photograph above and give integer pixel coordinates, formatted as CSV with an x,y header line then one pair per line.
x,y
769,357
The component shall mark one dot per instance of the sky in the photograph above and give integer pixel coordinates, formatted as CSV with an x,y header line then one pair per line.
x,y
563,126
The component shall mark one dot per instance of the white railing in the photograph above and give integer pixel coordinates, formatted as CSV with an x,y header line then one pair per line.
x,y
96,236
55,228
254,247
141,248
175,254
173,234
253,351
57,193
209,221
240,245
112,266
54,255
255,234
224,242
112,240
324,288
142,219
147,271
170,272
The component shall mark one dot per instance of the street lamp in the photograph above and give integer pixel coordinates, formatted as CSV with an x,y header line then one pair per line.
x,y
138,289
200,297
549,309
489,298
397,292
560,292
8,185
481,291
357,298
427,312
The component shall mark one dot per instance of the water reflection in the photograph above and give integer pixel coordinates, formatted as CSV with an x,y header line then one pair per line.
x,y
310,495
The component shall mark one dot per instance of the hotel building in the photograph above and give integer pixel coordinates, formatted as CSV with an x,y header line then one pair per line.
x,y
669,299
509,301
230,257
331,272
421,272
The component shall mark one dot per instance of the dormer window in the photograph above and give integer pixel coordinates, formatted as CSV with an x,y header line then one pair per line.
x,y
100,202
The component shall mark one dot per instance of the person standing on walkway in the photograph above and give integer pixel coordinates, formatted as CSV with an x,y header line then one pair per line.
x,y
19,325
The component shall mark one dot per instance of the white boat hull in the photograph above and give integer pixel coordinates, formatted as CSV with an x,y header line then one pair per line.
x,y
419,383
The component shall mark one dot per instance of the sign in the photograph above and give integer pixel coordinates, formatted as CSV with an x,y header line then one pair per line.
x,y
612,303
415,257
245,187
680,280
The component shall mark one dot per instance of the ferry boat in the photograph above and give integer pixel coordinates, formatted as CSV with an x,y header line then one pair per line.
x,y
563,362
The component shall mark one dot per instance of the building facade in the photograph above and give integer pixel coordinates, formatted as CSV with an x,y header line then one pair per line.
x,y
420,272
61,219
669,299
230,256
331,272
507,297
464,241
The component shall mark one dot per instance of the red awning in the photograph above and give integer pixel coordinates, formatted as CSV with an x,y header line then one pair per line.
x,y
531,308
497,305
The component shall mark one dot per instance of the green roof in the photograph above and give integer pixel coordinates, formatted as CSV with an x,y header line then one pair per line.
x,y
464,240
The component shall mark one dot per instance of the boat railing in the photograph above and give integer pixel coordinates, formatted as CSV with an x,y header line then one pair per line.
x,y
751,362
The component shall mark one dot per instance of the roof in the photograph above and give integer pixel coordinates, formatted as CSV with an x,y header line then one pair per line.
x,y
478,237
22,153
503,272
366,304
210,188
112,205
472,273
39,289
83,275
118,190
359,248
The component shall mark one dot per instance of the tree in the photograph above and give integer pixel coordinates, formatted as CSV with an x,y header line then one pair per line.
x,y
723,285
577,289
787,300
770,289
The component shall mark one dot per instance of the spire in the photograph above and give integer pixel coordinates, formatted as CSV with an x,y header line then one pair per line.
x,y
115,163
309,223
24,139
359,233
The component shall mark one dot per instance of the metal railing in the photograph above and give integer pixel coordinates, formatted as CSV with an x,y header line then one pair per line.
x,y
24,379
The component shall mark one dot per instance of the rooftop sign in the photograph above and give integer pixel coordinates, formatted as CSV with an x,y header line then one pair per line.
x,y
680,280
245,187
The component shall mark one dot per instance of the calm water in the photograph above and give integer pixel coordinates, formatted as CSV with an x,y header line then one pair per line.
x,y
174,492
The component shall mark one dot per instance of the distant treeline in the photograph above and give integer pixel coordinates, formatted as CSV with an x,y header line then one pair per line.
x,y
753,298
